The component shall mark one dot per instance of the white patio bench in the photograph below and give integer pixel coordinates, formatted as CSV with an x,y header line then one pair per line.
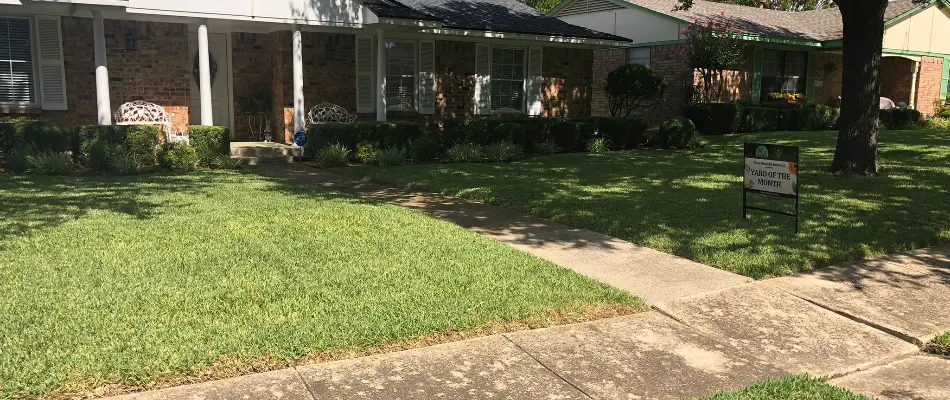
x,y
140,112
329,113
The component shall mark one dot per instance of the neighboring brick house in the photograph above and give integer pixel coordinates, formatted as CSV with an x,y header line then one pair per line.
x,y
381,60
788,52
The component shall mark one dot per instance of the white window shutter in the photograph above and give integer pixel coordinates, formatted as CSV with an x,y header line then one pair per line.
x,y
365,75
426,77
482,78
49,40
534,83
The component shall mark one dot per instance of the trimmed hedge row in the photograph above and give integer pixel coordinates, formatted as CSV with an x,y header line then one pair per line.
x,y
722,118
16,133
209,142
900,118
351,134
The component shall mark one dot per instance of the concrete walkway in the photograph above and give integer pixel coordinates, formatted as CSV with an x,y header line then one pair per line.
x,y
856,323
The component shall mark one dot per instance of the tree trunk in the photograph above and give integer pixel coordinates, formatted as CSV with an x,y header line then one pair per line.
x,y
856,151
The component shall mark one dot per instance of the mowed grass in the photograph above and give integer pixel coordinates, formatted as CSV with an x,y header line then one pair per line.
x,y
129,281
792,387
689,202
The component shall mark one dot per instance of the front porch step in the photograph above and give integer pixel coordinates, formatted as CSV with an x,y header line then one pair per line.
x,y
265,160
264,151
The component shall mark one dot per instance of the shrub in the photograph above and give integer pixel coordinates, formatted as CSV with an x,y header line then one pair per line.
x,y
227,162
49,163
617,131
633,86
392,156
209,142
397,134
759,119
351,134
125,163
545,147
943,112
424,148
900,118
587,130
141,142
676,133
715,118
567,135
464,152
598,146
99,153
503,151
96,145
16,133
511,132
16,160
813,117
368,152
638,129
180,157
334,155
939,124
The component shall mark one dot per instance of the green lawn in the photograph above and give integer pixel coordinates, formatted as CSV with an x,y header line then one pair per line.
x,y
133,280
793,387
689,202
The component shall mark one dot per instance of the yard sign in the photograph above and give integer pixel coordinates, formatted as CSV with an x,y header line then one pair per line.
x,y
771,169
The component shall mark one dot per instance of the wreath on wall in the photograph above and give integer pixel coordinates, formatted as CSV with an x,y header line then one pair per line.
x,y
212,63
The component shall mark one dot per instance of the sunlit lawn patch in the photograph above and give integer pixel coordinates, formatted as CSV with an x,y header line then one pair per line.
x,y
689,202
130,280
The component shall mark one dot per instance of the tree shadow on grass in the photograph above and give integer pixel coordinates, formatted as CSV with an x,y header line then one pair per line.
x,y
690,202
32,203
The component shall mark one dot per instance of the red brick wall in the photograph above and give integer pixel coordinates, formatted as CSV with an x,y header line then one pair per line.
x,y
567,83
828,68
896,78
251,67
670,62
158,71
736,84
928,84
604,61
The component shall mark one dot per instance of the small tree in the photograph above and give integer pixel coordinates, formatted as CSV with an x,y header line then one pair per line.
x,y
713,47
633,86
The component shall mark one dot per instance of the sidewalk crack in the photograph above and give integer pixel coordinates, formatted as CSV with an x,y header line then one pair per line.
x,y
305,384
552,371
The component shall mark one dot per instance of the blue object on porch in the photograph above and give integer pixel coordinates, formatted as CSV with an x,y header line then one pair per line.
x,y
300,138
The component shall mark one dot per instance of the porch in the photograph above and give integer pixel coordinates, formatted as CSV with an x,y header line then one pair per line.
x,y
255,153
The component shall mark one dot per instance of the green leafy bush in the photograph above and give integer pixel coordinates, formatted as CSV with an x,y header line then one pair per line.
x,y
715,118
424,148
943,111
141,143
98,154
125,163
465,152
618,132
368,152
598,146
392,156
587,130
227,162
567,135
513,132
503,151
898,118
759,119
351,134
813,117
209,142
49,163
18,132
939,124
632,86
676,133
16,160
179,157
547,146
96,145
334,155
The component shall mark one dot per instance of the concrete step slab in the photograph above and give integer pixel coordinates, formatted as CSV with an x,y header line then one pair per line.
x,y
787,331
914,378
490,367
284,384
903,298
643,356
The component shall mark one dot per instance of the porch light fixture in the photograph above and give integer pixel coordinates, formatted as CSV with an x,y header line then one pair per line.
x,y
131,41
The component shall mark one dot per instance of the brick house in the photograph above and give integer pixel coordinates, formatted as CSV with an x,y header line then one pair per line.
x,y
75,62
787,52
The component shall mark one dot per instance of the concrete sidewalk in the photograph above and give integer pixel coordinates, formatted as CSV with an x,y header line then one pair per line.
x,y
711,331
653,276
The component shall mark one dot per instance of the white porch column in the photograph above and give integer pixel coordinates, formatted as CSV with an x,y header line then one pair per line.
x,y
381,76
913,86
299,111
204,76
103,102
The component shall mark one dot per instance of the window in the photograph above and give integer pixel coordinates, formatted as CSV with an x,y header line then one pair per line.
x,y
17,77
639,55
401,75
507,80
783,72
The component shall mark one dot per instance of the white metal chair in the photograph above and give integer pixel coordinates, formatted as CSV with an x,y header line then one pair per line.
x,y
328,112
140,112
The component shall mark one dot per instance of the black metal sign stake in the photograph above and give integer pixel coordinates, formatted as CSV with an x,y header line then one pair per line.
x,y
771,170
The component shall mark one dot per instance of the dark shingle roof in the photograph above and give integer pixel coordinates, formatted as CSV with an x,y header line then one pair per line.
x,y
816,25
491,15
388,10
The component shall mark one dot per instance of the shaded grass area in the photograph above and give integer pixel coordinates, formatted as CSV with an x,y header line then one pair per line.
x,y
689,202
940,345
133,281
793,387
